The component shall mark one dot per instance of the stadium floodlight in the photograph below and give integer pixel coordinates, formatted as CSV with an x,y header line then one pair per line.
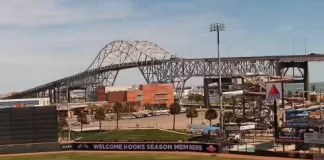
x,y
217,27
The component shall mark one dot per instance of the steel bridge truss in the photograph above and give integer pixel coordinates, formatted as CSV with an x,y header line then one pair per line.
x,y
156,66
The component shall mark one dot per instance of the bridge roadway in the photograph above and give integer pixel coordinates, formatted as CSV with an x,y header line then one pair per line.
x,y
181,66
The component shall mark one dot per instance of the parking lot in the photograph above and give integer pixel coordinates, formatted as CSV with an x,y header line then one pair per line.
x,y
160,121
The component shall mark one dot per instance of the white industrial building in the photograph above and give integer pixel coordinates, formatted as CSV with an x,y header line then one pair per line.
x,y
28,102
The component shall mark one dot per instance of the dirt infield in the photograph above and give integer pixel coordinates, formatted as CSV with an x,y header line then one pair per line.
x,y
145,152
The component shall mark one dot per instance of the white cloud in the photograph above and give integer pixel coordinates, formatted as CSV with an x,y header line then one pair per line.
x,y
40,12
40,49
45,40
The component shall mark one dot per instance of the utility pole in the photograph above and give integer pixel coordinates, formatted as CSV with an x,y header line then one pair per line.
x,y
219,27
320,106
305,46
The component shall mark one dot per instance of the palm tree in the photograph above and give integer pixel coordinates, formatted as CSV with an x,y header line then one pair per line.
x,y
117,109
229,117
174,109
191,113
105,106
91,110
81,117
210,115
61,123
100,115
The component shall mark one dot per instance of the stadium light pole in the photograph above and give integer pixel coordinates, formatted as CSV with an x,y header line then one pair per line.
x,y
217,27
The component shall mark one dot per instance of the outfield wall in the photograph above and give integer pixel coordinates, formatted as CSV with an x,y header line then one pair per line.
x,y
28,125
30,148
145,146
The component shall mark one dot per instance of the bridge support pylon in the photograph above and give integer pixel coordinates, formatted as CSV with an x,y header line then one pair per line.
x,y
298,70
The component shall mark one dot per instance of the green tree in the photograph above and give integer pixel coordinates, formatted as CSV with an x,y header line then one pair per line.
x,y
229,117
92,108
117,110
61,123
191,97
210,115
174,109
290,93
313,87
297,93
137,105
191,113
148,106
198,98
132,105
195,97
105,106
100,115
81,117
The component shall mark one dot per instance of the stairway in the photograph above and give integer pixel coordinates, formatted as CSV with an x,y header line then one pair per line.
x,y
252,81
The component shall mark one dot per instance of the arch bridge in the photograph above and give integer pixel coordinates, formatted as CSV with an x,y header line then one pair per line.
x,y
159,66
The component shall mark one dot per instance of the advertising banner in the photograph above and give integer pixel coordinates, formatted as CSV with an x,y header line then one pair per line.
x,y
196,128
240,128
65,147
193,147
314,138
273,91
296,124
290,139
247,127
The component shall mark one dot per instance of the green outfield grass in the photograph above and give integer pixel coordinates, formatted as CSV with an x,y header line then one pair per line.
x,y
137,134
109,156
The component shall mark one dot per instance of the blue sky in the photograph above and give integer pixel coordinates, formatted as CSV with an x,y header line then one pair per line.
x,y
43,40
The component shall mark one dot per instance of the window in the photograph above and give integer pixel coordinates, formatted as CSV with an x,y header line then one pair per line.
x,y
139,97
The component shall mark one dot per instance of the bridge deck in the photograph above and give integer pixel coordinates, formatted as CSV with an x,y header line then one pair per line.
x,y
283,58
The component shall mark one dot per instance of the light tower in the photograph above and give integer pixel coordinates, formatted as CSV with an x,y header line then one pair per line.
x,y
217,27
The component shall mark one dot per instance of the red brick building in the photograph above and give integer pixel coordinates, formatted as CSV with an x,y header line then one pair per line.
x,y
159,95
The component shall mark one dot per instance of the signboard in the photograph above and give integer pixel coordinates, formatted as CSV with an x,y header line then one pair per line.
x,y
314,138
231,128
196,128
274,91
241,128
194,147
296,124
247,127
66,146
290,139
